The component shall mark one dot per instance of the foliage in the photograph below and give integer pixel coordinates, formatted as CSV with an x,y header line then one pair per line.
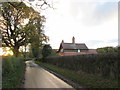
x,y
81,78
36,35
13,17
12,70
21,25
53,53
35,51
46,51
108,49
105,65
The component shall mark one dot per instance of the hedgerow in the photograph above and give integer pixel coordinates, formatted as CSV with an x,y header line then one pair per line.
x,y
105,64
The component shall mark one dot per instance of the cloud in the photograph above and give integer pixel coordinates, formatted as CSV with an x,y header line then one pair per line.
x,y
105,11
94,23
101,43
93,13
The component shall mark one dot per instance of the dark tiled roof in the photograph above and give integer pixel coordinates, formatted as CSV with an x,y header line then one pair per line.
x,y
74,46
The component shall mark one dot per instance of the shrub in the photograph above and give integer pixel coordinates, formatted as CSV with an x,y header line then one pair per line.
x,y
46,51
12,70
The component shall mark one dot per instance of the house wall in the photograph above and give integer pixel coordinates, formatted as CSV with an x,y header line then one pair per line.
x,y
71,50
83,50
74,50
69,53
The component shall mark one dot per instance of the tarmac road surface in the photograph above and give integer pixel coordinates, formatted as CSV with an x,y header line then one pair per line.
x,y
37,77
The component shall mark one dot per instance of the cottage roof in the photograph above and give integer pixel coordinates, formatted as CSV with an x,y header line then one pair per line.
x,y
74,46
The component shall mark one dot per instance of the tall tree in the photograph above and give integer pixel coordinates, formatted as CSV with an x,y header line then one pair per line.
x,y
47,50
36,35
12,19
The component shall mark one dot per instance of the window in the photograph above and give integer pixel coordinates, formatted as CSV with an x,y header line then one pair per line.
x,y
61,50
78,50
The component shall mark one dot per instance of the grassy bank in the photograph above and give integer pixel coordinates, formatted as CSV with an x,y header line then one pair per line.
x,y
12,71
81,78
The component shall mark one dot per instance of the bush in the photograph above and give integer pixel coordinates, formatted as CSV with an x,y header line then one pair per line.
x,y
10,64
46,51
12,70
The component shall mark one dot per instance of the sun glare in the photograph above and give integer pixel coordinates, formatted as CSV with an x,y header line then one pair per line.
x,y
5,51
1,52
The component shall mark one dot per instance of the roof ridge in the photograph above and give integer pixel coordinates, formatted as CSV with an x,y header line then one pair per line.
x,y
73,43
79,43
67,43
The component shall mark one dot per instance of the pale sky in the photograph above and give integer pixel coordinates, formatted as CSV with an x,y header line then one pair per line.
x,y
93,22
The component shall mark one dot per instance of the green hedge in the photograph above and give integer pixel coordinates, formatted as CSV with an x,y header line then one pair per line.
x,y
105,65
83,79
12,71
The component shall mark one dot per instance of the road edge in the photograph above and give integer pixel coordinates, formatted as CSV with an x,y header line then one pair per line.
x,y
71,83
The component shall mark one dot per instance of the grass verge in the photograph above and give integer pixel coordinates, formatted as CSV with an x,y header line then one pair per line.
x,y
81,78
12,71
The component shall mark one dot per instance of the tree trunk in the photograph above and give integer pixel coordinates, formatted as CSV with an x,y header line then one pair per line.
x,y
16,51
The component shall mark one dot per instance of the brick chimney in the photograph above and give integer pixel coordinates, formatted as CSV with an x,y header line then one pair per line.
x,y
62,41
73,40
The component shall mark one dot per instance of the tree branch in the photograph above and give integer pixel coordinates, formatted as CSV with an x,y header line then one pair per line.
x,y
15,5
